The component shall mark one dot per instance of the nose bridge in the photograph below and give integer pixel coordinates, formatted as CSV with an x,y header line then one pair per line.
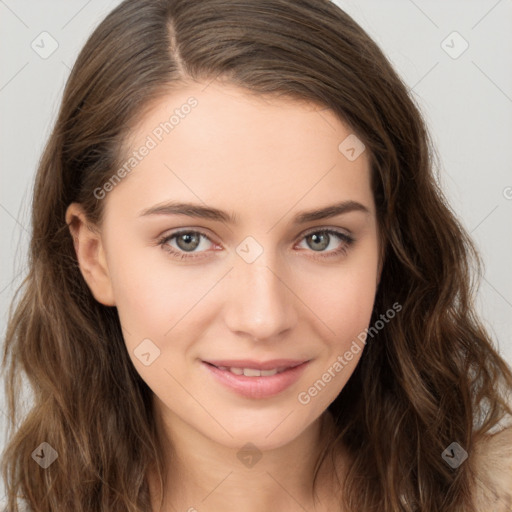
x,y
259,301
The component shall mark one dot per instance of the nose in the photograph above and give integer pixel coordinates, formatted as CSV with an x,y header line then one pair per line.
x,y
260,303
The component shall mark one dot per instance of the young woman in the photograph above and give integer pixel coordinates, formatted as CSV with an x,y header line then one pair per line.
x,y
246,291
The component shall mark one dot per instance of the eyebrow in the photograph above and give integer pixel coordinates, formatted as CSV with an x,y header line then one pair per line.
x,y
206,212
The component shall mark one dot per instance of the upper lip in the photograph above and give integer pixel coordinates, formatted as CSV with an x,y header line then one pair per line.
x,y
258,365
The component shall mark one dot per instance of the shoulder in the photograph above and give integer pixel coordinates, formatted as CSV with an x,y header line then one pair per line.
x,y
491,466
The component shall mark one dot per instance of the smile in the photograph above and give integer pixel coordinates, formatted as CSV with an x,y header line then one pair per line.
x,y
257,383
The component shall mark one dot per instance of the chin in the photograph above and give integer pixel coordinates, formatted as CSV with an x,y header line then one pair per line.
x,y
266,432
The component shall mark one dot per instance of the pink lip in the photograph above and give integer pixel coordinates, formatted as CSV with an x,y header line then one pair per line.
x,y
258,387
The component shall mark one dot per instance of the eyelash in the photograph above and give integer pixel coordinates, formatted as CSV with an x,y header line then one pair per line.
x,y
347,239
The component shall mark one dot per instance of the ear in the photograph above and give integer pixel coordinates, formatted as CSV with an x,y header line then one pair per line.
x,y
90,254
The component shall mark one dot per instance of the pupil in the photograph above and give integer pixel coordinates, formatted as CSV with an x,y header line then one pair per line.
x,y
187,238
316,239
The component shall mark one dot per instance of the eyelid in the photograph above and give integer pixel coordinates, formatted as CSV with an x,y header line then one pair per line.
x,y
316,229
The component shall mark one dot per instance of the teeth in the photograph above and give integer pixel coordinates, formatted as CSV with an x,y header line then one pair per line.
x,y
250,372
268,373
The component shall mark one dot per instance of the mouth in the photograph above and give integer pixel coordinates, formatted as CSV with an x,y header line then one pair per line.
x,y
256,380
255,369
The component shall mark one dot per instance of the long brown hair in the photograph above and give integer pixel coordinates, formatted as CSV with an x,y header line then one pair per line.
x,y
430,377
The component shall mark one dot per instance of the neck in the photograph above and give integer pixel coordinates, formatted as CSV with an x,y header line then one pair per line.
x,y
203,475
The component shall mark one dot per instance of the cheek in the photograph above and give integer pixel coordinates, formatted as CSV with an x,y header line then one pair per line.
x,y
345,301
347,316
146,291
156,298
155,295
345,310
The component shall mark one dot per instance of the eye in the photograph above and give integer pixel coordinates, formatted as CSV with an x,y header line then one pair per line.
x,y
321,239
187,242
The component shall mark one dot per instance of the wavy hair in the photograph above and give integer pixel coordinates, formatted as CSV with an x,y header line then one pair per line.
x,y
430,377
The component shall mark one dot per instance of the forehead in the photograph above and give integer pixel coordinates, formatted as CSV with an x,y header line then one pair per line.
x,y
220,144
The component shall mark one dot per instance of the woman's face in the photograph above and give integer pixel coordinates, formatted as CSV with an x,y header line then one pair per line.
x,y
254,278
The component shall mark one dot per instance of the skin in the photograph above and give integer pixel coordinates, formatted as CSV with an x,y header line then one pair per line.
x,y
265,161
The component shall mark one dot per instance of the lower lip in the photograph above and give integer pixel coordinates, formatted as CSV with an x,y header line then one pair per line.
x,y
257,387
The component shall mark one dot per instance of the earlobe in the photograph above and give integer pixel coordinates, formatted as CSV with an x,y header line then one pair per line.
x,y
90,254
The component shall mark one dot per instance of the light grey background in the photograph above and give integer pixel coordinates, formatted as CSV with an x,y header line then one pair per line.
x,y
467,102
